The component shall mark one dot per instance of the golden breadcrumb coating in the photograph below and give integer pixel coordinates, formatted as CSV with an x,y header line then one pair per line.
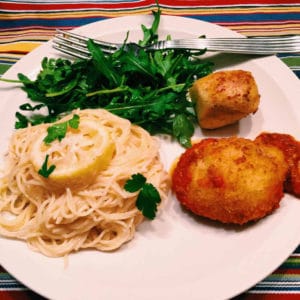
x,y
224,97
291,150
232,180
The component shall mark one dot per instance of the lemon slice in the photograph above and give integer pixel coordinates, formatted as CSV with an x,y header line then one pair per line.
x,y
78,157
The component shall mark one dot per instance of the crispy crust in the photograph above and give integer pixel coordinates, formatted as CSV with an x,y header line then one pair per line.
x,y
224,97
291,150
232,180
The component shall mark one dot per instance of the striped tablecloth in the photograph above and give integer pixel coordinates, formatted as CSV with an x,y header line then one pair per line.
x,y
24,25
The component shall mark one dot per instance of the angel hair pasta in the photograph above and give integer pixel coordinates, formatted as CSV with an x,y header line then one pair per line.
x,y
82,202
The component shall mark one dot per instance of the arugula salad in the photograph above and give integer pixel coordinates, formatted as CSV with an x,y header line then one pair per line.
x,y
147,87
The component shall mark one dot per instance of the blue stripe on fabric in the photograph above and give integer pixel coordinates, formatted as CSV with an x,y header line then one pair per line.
x,y
261,17
275,288
71,22
248,17
282,55
278,284
11,285
5,62
7,282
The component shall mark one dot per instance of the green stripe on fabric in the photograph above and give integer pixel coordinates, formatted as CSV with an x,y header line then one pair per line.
x,y
292,61
282,277
4,68
291,263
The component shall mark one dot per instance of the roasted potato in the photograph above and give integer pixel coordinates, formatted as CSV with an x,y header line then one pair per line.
x,y
224,97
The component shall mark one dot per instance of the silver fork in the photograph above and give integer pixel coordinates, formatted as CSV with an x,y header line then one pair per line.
x,y
76,45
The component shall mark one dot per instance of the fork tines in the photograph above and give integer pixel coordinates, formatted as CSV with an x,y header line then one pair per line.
x,y
76,45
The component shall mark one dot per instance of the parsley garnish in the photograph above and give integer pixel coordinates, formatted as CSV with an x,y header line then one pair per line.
x,y
59,130
148,196
44,170
56,131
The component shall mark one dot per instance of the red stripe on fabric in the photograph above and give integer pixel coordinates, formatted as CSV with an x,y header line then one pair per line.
x,y
255,23
19,295
72,6
192,3
261,23
272,296
288,271
2,270
40,27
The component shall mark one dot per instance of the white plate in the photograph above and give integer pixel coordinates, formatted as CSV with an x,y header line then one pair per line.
x,y
176,256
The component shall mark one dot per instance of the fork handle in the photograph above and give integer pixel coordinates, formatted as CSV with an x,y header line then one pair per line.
x,y
259,46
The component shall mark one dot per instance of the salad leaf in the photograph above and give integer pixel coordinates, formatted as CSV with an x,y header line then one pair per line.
x,y
147,87
183,130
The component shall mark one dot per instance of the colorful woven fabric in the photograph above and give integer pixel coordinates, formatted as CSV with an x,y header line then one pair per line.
x,y
24,25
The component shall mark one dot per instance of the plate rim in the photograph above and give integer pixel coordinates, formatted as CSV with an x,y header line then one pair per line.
x,y
138,18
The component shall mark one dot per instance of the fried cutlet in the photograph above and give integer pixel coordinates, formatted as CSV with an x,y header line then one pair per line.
x,y
291,150
232,180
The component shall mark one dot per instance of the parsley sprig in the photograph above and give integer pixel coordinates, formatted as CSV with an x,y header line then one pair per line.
x,y
59,130
56,131
45,171
148,197
147,87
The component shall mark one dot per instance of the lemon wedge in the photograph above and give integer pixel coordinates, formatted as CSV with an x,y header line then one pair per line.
x,y
78,157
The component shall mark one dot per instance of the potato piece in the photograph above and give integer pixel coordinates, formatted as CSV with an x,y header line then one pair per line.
x,y
224,97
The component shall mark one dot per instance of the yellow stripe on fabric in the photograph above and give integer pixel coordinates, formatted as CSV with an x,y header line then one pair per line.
x,y
29,38
273,29
270,26
26,34
25,31
250,33
19,47
11,57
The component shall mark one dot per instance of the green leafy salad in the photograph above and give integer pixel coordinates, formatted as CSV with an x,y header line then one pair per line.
x,y
147,87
